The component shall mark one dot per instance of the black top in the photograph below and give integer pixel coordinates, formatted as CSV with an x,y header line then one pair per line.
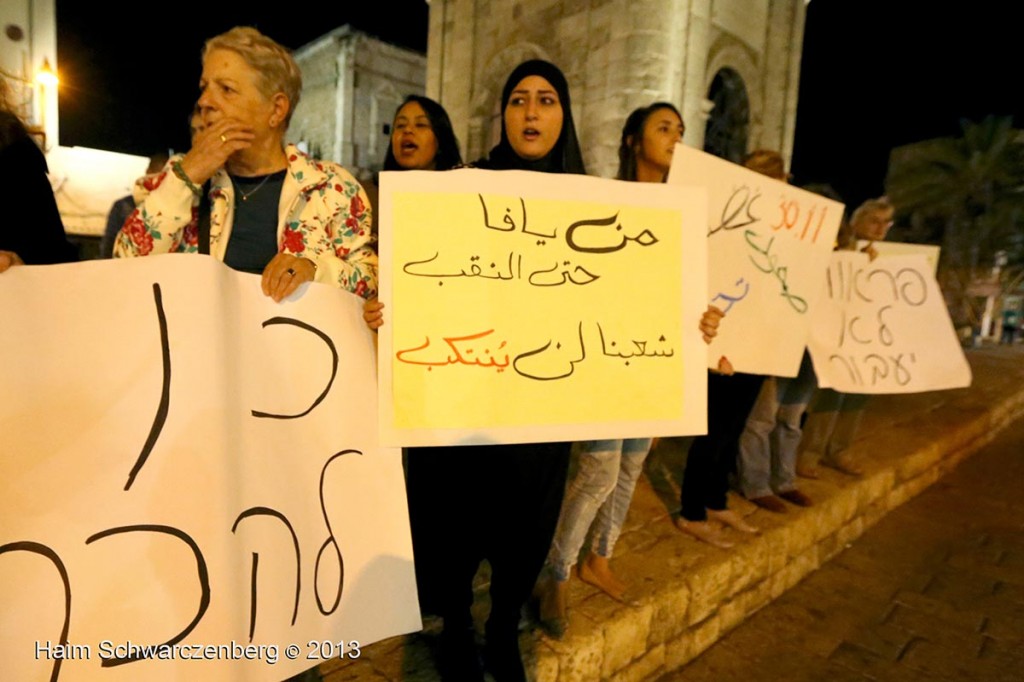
x,y
253,241
30,223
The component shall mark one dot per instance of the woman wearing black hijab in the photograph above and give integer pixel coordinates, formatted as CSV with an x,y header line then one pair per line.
x,y
508,510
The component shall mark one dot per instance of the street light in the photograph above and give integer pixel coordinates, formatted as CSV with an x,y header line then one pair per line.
x,y
46,75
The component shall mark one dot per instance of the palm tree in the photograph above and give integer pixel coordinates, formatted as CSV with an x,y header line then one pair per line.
x,y
967,194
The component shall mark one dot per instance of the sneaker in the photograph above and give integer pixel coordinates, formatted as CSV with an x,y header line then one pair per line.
x,y
770,502
798,498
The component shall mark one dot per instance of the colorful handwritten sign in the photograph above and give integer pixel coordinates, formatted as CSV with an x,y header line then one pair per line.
x,y
526,307
768,248
192,483
883,327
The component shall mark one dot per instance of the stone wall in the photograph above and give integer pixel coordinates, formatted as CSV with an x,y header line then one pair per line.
x,y
352,84
618,55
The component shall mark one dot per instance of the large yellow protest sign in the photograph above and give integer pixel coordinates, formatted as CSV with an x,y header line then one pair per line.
x,y
524,307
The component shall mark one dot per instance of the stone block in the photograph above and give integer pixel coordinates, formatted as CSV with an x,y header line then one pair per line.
x,y
897,496
709,584
679,651
670,604
705,634
579,654
644,667
732,613
625,638
874,486
794,571
758,596
749,564
776,542
804,529
542,663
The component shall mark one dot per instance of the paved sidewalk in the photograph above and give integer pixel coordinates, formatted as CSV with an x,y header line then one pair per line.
x,y
688,595
935,591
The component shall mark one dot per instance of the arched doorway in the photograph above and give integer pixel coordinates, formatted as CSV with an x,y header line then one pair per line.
x,y
729,123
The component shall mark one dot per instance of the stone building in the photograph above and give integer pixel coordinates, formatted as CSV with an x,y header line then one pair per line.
x,y
732,66
351,85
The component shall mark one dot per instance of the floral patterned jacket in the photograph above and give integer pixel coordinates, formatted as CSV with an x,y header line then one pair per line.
x,y
324,215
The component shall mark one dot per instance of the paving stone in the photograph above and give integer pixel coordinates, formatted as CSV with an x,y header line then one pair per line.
x,y
959,588
968,621
886,641
934,658
858,658
356,671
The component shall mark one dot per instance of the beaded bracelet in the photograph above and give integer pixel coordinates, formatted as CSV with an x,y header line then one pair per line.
x,y
180,172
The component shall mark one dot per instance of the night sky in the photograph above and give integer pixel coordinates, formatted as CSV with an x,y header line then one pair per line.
x,y
873,74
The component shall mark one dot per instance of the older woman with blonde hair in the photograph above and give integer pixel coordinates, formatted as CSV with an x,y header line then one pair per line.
x,y
245,198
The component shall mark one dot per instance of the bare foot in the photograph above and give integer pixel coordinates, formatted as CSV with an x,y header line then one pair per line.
x,y
807,470
733,520
703,531
596,571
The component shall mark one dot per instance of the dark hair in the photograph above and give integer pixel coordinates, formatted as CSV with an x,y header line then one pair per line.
x,y
632,135
448,155
565,156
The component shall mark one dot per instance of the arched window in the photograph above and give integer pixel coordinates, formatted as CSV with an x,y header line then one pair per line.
x,y
729,123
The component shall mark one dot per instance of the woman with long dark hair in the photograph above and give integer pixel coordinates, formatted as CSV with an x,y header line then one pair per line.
x,y
422,139
599,495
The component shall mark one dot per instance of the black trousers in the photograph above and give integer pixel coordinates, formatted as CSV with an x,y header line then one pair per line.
x,y
712,456
495,502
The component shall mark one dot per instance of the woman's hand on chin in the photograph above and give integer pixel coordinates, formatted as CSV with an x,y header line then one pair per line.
x,y
212,146
284,273
9,259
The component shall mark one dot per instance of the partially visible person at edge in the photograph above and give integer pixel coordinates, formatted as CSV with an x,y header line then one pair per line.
x,y
31,231
599,495
123,207
766,463
422,139
731,396
834,418
273,211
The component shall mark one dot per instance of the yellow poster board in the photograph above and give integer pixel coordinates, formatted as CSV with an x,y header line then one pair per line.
x,y
524,307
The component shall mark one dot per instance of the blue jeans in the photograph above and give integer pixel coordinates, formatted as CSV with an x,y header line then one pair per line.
x,y
597,500
832,424
771,438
